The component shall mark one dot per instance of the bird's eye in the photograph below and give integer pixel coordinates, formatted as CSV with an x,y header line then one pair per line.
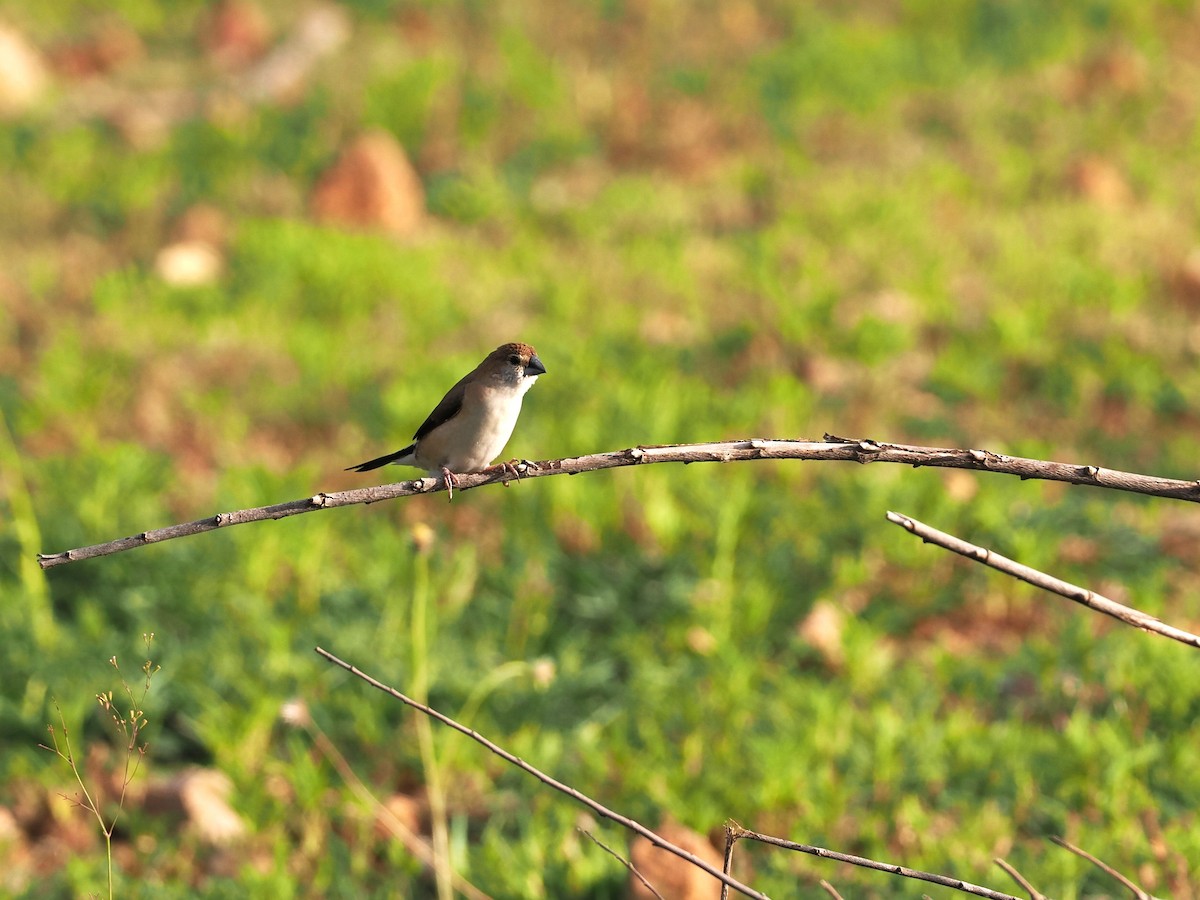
x,y
514,360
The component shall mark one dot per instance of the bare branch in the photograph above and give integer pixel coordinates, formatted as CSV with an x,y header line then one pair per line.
x,y
1090,599
1034,893
587,801
945,881
831,449
1104,867
626,863
731,830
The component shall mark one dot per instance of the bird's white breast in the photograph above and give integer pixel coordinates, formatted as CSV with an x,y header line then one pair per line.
x,y
474,438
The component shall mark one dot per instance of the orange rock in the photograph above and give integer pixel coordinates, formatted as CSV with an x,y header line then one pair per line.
x,y
822,629
109,48
202,222
691,143
237,32
372,185
671,876
1117,70
1101,182
403,816
1185,280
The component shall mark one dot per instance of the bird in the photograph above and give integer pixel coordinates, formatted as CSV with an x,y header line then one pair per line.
x,y
474,421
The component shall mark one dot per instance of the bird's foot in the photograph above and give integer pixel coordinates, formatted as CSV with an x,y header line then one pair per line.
x,y
451,483
514,467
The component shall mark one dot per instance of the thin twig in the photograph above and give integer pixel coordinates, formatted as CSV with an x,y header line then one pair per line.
x,y
831,449
731,829
944,880
1034,893
830,889
1104,867
587,801
626,863
1090,599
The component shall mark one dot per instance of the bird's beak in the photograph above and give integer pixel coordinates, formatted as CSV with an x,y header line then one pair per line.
x,y
534,366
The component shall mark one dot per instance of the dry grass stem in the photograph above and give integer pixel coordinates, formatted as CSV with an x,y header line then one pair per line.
x,y
1137,892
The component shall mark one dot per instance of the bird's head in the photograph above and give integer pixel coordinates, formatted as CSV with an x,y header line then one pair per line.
x,y
514,365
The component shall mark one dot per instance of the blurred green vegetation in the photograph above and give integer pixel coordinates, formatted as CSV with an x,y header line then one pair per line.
x,y
962,223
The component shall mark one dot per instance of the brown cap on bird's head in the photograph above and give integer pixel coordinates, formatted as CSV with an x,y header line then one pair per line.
x,y
517,354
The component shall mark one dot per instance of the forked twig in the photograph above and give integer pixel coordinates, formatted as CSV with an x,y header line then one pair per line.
x,y
833,448
587,801
1104,867
1090,599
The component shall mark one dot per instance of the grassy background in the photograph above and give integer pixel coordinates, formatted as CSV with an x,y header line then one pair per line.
x,y
721,219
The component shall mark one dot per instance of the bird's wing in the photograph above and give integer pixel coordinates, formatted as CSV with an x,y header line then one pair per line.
x,y
450,407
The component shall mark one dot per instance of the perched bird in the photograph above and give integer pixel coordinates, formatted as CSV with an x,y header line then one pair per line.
x,y
475,419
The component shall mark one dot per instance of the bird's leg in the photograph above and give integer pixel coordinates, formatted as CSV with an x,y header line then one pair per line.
x,y
513,467
451,483
510,468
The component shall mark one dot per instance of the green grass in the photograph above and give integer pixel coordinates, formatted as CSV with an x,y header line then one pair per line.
x,y
876,233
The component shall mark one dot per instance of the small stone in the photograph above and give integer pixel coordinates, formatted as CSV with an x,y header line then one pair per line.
x,y
22,73
188,263
1101,182
822,629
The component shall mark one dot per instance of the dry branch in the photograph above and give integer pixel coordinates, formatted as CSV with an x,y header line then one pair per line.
x,y
831,449
1090,599
627,864
731,830
587,801
1137,892
944,880
1034,893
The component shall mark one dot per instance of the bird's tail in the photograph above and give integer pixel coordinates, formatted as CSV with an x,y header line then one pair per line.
x,y
383,460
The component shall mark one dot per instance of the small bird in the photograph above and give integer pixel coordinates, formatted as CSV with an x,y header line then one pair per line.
x,y
475,419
